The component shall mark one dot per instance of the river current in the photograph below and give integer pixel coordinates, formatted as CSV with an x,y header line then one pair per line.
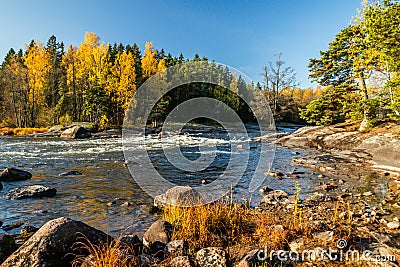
x,y
106,196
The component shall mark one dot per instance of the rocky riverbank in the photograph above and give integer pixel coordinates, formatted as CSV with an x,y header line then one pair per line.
x,y
377,149
281,230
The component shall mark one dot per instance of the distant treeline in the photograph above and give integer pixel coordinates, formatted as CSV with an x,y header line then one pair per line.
x,y
49,84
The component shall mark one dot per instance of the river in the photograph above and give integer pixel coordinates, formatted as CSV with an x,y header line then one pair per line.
x,y
97,196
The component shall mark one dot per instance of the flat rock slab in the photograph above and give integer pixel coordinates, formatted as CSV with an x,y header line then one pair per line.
x,y
13,174
32,191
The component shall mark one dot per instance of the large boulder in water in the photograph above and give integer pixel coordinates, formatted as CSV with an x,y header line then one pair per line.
x,y
55,244
179,196
76,132
31,191
12,175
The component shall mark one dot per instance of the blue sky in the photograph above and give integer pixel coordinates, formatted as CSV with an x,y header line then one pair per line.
x,y
242,34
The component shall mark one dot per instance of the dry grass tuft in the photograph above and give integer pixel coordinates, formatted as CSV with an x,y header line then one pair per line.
x,y
216,224
110,254
21,131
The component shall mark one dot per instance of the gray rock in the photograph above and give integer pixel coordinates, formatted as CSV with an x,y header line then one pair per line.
x,y
31,191
324,236
315,198
328,187
251,259
181,261
377,251
177,247
179,196
51,245
12,175
76,132
211,257
274,197
7,246
275,174
158,235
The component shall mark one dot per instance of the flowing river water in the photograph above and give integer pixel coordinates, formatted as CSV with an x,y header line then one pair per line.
x,y
97,197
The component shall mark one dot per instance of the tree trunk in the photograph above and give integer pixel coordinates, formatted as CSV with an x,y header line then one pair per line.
x,y
364,124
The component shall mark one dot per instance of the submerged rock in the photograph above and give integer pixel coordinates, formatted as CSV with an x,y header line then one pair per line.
x,y
52,245
8,227
70,173
12,175
31,191
265,190
76,132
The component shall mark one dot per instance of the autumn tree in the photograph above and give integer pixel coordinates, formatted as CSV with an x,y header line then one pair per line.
x,y
121,85
38,63
150,64
92,66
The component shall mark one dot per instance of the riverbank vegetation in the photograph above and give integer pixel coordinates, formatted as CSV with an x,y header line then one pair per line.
x,y
21,131
360,70
238,229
